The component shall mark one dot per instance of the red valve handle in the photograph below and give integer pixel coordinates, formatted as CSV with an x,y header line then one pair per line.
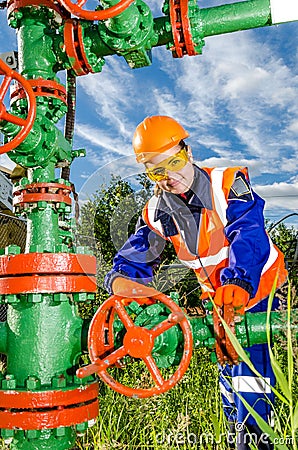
x,y
138,342
25,124
103,14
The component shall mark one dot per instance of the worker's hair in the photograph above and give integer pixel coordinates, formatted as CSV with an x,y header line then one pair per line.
x,y
157,191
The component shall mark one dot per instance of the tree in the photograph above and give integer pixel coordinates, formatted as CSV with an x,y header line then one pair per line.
x,y
286,239
108,218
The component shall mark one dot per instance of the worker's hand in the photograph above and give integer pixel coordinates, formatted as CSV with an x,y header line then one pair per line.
x,y
232,294
232,300
127,288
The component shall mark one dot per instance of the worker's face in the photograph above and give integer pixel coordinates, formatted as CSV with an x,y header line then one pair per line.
x,y
174,181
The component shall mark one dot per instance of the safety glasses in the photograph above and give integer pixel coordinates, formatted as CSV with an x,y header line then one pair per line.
x,y
174,163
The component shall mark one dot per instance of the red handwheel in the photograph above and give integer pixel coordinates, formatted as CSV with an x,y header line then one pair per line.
x,y
25,124
138,343
76,9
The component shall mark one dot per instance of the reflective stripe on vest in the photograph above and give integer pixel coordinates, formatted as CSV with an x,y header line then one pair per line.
x,y
220,201
212,260
148,216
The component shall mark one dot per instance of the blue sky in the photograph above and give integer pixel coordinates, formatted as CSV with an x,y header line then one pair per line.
x,y
238,101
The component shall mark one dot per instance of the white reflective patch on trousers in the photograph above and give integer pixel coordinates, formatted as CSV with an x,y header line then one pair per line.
x,y
253,385
229,395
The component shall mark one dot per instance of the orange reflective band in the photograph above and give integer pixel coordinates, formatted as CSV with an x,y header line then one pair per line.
x,y
174,163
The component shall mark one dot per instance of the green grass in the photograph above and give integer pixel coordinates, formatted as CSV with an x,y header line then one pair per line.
x,y
189,416
177,419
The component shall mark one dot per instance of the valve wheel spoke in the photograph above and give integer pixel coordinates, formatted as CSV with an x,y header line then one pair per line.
x,y
25,124
162,327
154,370
103,14
13,119
111,359
123,315
4,87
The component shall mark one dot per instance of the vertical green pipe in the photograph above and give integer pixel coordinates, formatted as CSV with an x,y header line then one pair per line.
x,y
43,230
3,337
35,46
43,227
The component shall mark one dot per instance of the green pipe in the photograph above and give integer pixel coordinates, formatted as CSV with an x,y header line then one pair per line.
x,y
43,229
124,23
122,34
249,331
235,17
35,45
163,29
3,337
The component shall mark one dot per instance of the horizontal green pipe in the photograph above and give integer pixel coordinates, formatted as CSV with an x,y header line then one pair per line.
x,y
163,28
251,330
235,17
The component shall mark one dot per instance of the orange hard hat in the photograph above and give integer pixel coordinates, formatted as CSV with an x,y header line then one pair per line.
x,y
156,134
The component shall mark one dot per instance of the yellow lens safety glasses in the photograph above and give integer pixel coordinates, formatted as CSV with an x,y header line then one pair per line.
x,y
174,163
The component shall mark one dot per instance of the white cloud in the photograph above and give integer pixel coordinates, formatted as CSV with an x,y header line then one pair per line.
x,y
112,92
102,139
240,87
280,195
293,126
255,167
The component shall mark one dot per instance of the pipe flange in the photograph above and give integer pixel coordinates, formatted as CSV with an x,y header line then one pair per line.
x,y
41,88
186,28
72,48
48,284
37,410
42,192
74,45
47,264
47,273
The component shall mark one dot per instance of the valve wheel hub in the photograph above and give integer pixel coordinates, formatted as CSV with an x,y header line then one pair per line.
x,y
138,342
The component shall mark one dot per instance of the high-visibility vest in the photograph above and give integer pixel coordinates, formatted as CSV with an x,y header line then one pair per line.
x,y
213,247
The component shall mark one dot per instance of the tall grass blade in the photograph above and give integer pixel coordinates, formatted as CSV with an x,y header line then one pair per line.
x,y
243,356
279,375
264,426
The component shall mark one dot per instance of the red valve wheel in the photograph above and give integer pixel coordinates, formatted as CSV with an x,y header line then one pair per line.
x,y
103,14
138,342
25,124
